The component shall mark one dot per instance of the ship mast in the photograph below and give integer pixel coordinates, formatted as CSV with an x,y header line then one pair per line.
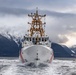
x,y
36,24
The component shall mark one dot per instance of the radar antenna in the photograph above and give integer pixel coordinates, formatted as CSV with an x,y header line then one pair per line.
x,y
36,24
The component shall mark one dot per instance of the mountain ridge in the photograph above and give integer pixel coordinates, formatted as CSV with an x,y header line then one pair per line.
x,y
10,47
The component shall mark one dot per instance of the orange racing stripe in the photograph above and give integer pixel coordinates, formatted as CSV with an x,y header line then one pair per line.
x,y
51,57
21,56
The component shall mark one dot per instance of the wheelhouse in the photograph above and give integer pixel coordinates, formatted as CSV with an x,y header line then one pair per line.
x,y
36,40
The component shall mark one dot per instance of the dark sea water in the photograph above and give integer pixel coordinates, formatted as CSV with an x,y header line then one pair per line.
x,y
12,66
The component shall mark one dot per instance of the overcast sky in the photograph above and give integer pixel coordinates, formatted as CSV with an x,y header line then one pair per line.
x,y
60,19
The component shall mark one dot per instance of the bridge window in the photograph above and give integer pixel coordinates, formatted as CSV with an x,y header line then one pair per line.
x,y
42,39
45,39
27,38
30,39
39,39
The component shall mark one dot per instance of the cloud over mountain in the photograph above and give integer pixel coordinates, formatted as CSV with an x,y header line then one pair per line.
x,y
60,19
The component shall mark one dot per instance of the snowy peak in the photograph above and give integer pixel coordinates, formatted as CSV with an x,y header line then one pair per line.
x,y
73,49
10,37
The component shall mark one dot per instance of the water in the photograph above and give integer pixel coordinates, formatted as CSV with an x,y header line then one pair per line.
x,y
12,66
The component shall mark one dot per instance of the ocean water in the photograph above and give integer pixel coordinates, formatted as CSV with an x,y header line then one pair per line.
x,y
12,66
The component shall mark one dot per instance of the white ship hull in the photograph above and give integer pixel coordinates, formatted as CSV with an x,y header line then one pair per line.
x,y
36,45
36,54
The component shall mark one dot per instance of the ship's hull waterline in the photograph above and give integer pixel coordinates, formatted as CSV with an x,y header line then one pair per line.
x,y
36,44
36,54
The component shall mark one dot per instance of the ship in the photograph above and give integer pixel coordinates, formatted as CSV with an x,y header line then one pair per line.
x,y
36,47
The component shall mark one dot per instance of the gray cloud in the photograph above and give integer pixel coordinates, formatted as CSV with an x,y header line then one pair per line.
x,y
57,39
13,11
20,11
47,4
62,24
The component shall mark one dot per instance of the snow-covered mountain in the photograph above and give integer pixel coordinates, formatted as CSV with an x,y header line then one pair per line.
x,y
10,46
73,49
62,51
16,39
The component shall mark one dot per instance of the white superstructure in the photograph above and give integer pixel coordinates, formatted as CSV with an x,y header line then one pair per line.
x,y
36,47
